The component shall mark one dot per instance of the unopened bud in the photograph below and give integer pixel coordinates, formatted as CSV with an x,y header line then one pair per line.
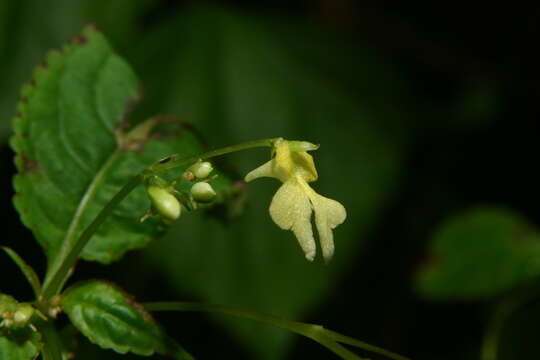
x,y
201,169
23,314
203,192
164,203
54,311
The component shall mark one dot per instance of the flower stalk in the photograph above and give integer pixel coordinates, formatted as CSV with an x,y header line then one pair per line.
x,y
55,278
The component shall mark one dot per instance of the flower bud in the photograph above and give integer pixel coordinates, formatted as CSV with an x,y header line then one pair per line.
x,y
203,192
164,203
201,170
23,314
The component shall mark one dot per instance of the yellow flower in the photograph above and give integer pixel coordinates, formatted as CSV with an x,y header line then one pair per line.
x,y
295,200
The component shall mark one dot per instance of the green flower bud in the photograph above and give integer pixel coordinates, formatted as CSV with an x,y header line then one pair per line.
x,y
203,192
201,170
23,314
164,203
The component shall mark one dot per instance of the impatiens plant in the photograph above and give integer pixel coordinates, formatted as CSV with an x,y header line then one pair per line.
x,y
93,184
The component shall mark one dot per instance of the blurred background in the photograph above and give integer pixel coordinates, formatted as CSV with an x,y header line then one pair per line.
x,y
427,118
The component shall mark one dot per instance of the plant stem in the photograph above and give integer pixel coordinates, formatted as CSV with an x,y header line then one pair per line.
x,y
57,276
490,342
327,338
70,238
52,346
26,269
161,167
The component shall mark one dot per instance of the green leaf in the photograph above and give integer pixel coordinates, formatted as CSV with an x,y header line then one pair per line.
x,y
74,151
113,320
26,269
480,253
19,343
246,77
25,37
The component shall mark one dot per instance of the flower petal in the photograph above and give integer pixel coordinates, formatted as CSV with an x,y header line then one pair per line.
x,y
293,163
265,170
328,214
304,166
291,210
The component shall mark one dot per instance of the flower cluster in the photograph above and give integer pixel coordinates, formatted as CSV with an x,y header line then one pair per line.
x,y
292,206
295,201
167,201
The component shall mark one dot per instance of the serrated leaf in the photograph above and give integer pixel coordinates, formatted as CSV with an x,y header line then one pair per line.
x,y
113,320
24,38
246,77
74,151
480,253
20,343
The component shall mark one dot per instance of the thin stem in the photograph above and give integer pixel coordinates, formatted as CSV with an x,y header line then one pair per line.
x,y
363,345
70,237
161,167
327,338
57,276
27,271
490,342
52,347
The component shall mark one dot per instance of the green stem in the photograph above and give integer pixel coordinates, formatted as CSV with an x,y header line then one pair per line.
x,y
52,346
70,238
490,342
56,276
327,338
161,167
26,269
362,345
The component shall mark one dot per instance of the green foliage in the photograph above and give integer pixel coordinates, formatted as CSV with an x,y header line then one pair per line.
x,y
7,302
243,77
74,151
113,320
479,254
76,147
17,343
66,144
25,35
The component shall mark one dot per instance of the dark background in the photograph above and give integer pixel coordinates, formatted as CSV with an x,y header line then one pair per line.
x,y
453,90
